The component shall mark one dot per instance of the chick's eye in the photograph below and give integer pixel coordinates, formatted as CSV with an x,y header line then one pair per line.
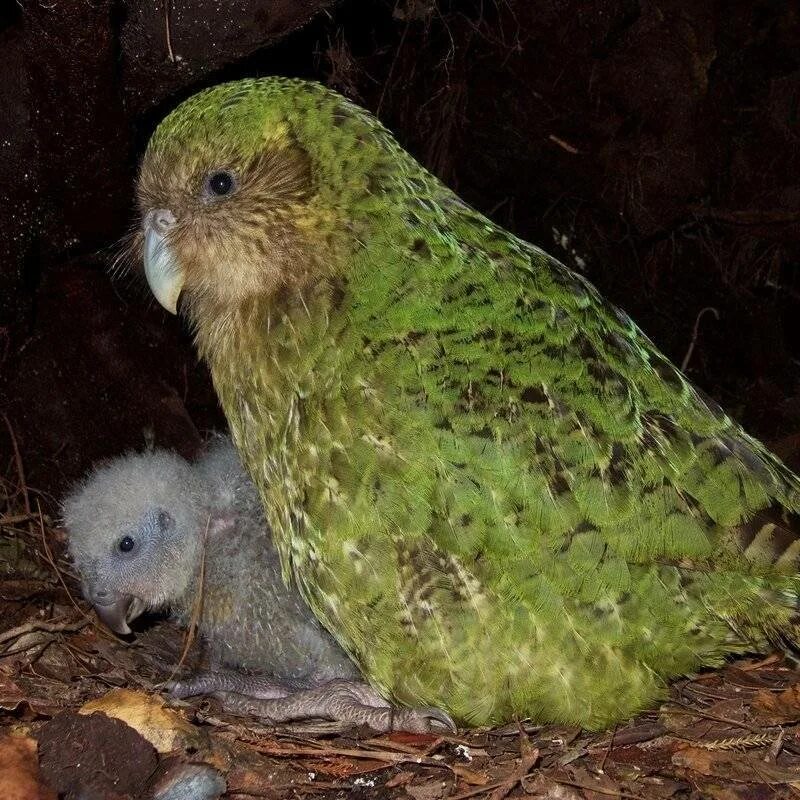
x,y
126,544
220,183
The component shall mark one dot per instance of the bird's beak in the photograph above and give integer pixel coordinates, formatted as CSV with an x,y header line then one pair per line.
x,y
118,612
164,275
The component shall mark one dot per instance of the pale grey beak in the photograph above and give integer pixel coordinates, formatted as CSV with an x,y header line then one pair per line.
x,y
118,611
164,275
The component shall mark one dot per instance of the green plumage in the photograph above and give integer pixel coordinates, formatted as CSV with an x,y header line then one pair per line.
x,y
485,479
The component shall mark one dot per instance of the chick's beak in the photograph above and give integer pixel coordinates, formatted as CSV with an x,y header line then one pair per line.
x,y
116,610
164,275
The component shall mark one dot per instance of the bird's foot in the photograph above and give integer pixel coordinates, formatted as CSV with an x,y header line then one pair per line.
x,y
255,686
339,700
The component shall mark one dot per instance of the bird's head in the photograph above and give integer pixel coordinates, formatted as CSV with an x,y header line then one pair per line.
x,y
135,530
253,187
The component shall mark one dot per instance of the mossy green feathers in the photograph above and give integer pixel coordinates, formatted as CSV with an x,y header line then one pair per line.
x,y
485,479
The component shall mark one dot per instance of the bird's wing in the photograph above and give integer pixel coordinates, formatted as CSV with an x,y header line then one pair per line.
x,y
551,420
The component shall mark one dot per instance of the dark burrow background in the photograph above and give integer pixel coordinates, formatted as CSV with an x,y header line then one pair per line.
x,y
654,146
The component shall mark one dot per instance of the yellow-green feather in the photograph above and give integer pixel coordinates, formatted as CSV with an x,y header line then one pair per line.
x,y
485,479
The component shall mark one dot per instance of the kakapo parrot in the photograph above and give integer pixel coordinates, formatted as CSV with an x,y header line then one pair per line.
x,y
486,481
150,531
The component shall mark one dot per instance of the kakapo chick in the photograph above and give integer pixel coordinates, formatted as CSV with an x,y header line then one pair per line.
x,y
146,528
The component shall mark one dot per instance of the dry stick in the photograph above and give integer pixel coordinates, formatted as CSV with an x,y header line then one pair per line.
x,y
196,611
367,755
693,342
638,735
167,31
692,689
44,627
502,791
405,748
15,519
727,721
777,746
20,469
479,790
564,145
528,757
600,790
608,749
748,217
32,659
51,560
762,662
398,747
391,68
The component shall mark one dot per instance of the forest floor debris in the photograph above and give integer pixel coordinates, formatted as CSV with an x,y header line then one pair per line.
x,y
76,699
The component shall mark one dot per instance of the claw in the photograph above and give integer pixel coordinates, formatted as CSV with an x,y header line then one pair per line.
x,y
425,719
437,715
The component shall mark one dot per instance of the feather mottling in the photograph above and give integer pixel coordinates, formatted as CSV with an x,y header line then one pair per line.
x,y
555,521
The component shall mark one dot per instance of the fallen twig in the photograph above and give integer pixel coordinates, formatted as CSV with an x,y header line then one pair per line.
x,y
15,519
695,329
564,145
52,562
600,789
43,627
529,756
748,216
776,746
698,712
168,30
23,486
366,754
197,609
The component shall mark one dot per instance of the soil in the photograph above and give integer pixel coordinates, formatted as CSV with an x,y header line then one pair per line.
x,y
653,146
94,757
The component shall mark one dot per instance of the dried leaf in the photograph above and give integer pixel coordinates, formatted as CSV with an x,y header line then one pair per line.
x,y
10,694
544,788
431,790
734,766
470,776
19,771
12,698
714,791
594,785
401,779
163,727
419,740
343,767
778,708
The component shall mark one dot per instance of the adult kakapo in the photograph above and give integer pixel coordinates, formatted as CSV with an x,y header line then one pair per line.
x,y
485,479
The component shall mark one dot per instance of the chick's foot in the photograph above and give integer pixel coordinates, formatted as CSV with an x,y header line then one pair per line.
x,y
340,700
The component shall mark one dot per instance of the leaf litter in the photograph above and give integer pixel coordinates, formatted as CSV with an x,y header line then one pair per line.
x,y
82,714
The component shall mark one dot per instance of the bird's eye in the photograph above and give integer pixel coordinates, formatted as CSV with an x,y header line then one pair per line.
x,y
126,544
220,183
